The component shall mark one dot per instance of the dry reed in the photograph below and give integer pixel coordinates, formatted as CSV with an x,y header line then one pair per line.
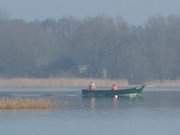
x,y
56,82
25,103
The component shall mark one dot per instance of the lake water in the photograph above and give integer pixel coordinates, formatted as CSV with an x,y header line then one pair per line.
x,y
156,113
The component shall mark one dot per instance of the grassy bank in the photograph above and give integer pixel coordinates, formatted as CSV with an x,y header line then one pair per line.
x,y
75,82
25,103
56,82
163,83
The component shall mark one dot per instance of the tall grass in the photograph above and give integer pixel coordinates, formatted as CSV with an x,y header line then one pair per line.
x,y
25,103
56,82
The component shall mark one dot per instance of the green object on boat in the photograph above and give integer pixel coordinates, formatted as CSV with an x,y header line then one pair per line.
x,y
136,90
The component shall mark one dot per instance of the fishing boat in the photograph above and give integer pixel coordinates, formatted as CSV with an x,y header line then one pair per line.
x,y
129,91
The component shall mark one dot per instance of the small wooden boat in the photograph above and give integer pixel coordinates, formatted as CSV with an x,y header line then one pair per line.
x,y
136,90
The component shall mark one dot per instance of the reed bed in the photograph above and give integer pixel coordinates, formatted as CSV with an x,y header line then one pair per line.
x,y
163,83
25,103
56,82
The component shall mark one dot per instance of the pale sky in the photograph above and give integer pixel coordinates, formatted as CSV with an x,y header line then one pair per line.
x,y
133,11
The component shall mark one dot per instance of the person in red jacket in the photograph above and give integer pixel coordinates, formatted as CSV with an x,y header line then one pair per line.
x,y
114,86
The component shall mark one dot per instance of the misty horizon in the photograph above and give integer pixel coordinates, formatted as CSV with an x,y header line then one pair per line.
x,y
134,12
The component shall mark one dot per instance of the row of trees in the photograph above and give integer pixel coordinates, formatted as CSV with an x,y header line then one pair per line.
x,y
101,46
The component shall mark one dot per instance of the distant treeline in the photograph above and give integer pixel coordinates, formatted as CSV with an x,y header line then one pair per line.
x,y
99,47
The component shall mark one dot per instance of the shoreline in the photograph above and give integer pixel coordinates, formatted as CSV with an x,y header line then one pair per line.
x,y
57,82
44,84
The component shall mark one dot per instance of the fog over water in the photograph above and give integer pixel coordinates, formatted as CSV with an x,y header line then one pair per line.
x,y
135,12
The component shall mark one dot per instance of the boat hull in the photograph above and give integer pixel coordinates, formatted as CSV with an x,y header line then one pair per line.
x,y
120,92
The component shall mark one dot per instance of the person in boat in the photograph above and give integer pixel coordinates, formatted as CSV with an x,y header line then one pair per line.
x,y
114,86
92,86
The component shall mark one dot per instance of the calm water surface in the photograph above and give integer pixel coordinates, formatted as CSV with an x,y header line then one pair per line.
x,y
154,113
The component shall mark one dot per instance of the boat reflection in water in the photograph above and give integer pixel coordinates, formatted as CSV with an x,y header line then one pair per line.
x,y
115,102
93,102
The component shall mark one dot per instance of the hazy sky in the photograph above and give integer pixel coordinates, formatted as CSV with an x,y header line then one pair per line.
x,y
133,11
